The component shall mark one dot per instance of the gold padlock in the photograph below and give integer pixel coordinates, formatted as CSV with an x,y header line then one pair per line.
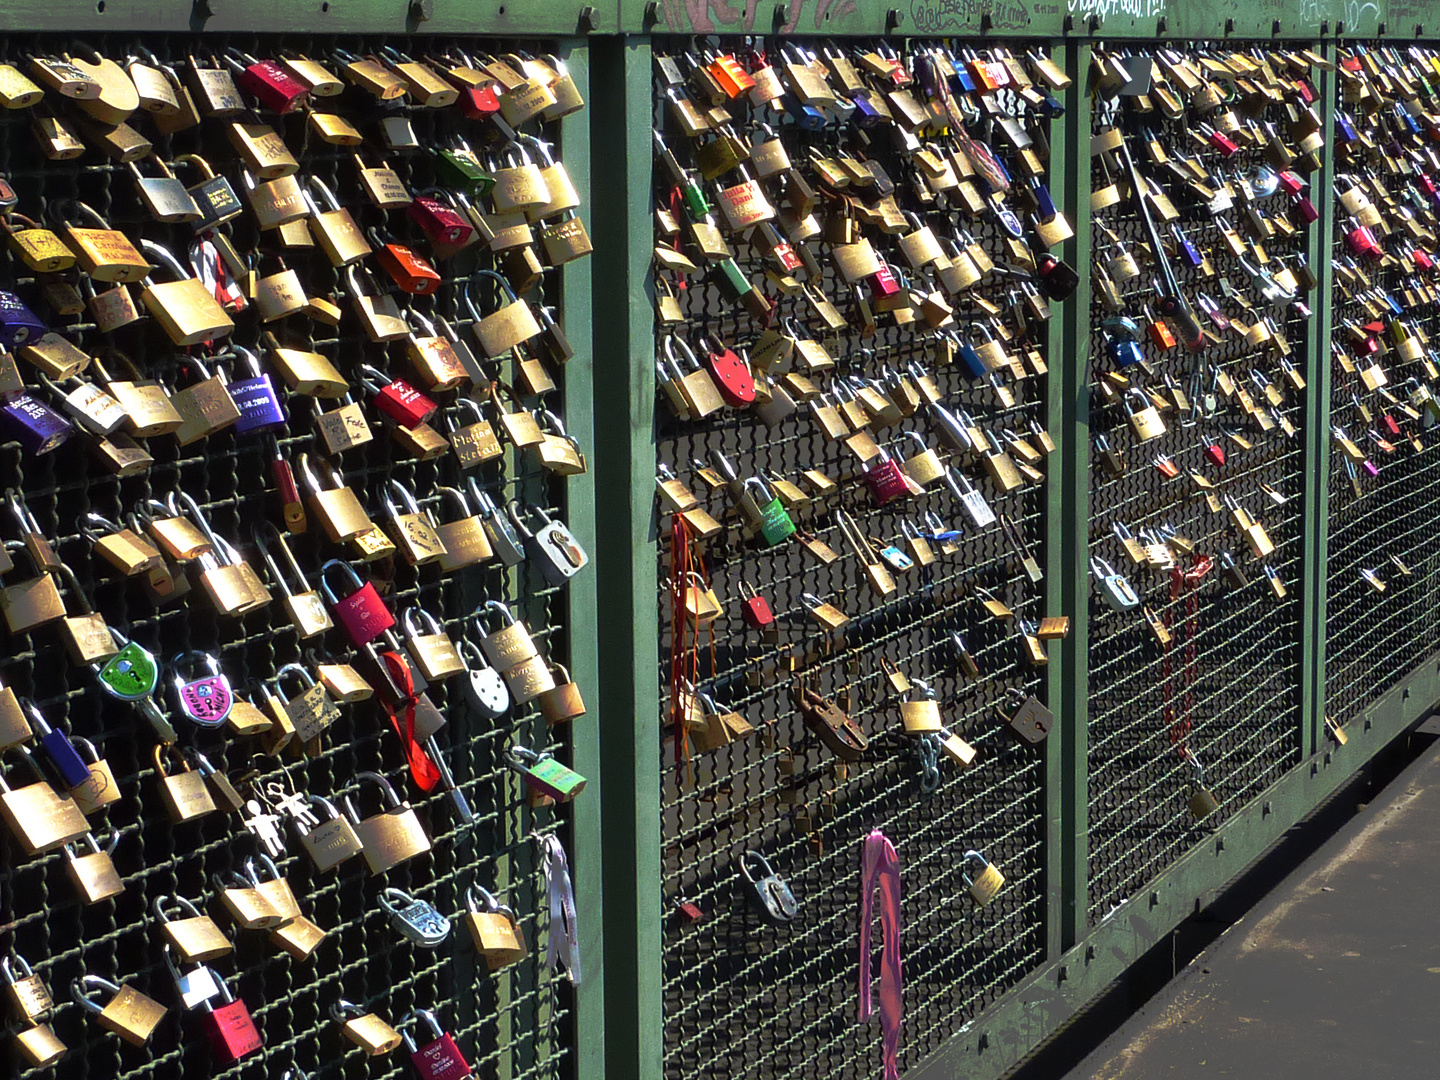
x,y
412,530
984,887
185,794
38,818
466,543
303,604
40,1046
128,1013
304,370
921,717
194,935
511,324
365,1030
27,993
392,836
185,308
562,702
92,871
494,929
338,507
263,150
433,651
509,646
335,229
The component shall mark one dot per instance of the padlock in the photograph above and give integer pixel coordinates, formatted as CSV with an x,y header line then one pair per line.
x,y
27,992
1032,721
924,467
1115,588
433,651
769,895
439,1058
92,871
544,775
1145,421
184,307
206,700
230,583
333,227
986,885
165,197
90,406
306,609
39,248
484,687
438,220
305,371
511,324
184,794
230,1027
338,507
494,929
1202,801
205,408
834,727
38,428
39,818
132,674
311,711
14,727
562,702
58,748
213,197
101,252
416,920
413,531
332,841
558,451
504,541
392,836
920,716
194,935
396,399
552,548
128,1013
464,540
262,149
277,203
248,906
509,646
18,324
366,1030
885,480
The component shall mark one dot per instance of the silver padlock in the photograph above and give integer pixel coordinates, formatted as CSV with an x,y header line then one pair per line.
x,y
552,547
416,920
502,536
484,687
1114,587
768,892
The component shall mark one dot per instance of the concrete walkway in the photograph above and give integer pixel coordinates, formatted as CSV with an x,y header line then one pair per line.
x,y
1335,975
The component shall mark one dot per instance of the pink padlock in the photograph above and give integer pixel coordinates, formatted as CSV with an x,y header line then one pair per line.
x,y
885,480
361,611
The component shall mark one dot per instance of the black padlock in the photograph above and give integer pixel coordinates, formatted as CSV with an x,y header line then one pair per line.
x,y
1058,279
769,894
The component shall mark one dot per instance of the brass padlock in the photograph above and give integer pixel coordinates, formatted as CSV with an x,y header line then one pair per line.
x,y
194,935
40,1046
248,906
433,651
392,836
465,540
338,507
305,371
986,885
1202,801
185,794
413,531
185,308
92,871
562,702
365,1030
509,646
303,604
335,229
27,993
511,324
494,929
263,150
332,841
922,716
297,935
128,1013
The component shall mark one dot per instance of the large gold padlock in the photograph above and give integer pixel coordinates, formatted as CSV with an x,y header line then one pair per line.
x,y
511,324
335,229
984,887
93,872
185,308
466,543
185,794
922,716
38,818
412,530
32,603
103,253
40,1046
494,929
129,1013
364,1029
338,507
194,935
392,836
509,646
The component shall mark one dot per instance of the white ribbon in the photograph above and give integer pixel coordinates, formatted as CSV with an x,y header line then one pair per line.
x,y
564,945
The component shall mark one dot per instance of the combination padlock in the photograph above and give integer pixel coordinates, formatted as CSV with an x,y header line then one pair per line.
x,y
769,894
416,920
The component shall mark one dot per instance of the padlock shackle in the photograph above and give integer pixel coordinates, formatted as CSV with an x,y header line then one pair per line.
x,y
158,906
262,540
431,623
292,668
350,573
9,975
158,251
80,988
392,798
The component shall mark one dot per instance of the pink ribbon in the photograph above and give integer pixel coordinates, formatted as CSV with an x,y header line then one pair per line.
x,y
879,864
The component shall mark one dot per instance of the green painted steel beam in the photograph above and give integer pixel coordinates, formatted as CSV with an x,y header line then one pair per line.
x,y
626,558
510,18
999,1038
1071,371
580,414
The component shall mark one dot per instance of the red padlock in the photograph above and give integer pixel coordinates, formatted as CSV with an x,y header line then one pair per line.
x,y
230,1027
1422,260
1304,209
396,398
732,375
1215,454
480,102
439,1059
885,292
885,480
361,612
1390,424
1361,241
410,270
1219,140
755,609
441,223
687,912
276,88
1289,182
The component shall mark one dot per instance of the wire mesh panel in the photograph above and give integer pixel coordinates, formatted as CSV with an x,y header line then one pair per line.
x,y
1195,500
1381,571
743,770
512,1022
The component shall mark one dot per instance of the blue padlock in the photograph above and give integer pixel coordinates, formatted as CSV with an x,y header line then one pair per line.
x,y
807,117
866,115
256,398
1124,353
33,424
18,324
57,745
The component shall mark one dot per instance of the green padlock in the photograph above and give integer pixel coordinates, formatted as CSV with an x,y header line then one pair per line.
x,y
545,775
461,169
775,522
131,674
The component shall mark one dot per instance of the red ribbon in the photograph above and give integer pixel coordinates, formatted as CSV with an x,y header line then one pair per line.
x,y
422,769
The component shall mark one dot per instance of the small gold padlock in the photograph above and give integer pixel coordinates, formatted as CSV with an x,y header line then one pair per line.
x,y
983,887
365,1029
194,937
185,794
129,1013
494,929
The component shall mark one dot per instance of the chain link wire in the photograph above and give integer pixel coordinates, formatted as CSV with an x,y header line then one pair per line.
x,y
512,1023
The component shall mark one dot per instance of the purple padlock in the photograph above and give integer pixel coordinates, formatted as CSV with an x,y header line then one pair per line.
x,y
256,398
33,424
18,324
1371,469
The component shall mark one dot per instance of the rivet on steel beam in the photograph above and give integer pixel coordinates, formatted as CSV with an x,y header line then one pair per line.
x,y
652,11
893,18
1265,809
1219,844
1162,24
986,23
1095,22
587,18
1069,24
1229,26
1380,30
421,10
1275,27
